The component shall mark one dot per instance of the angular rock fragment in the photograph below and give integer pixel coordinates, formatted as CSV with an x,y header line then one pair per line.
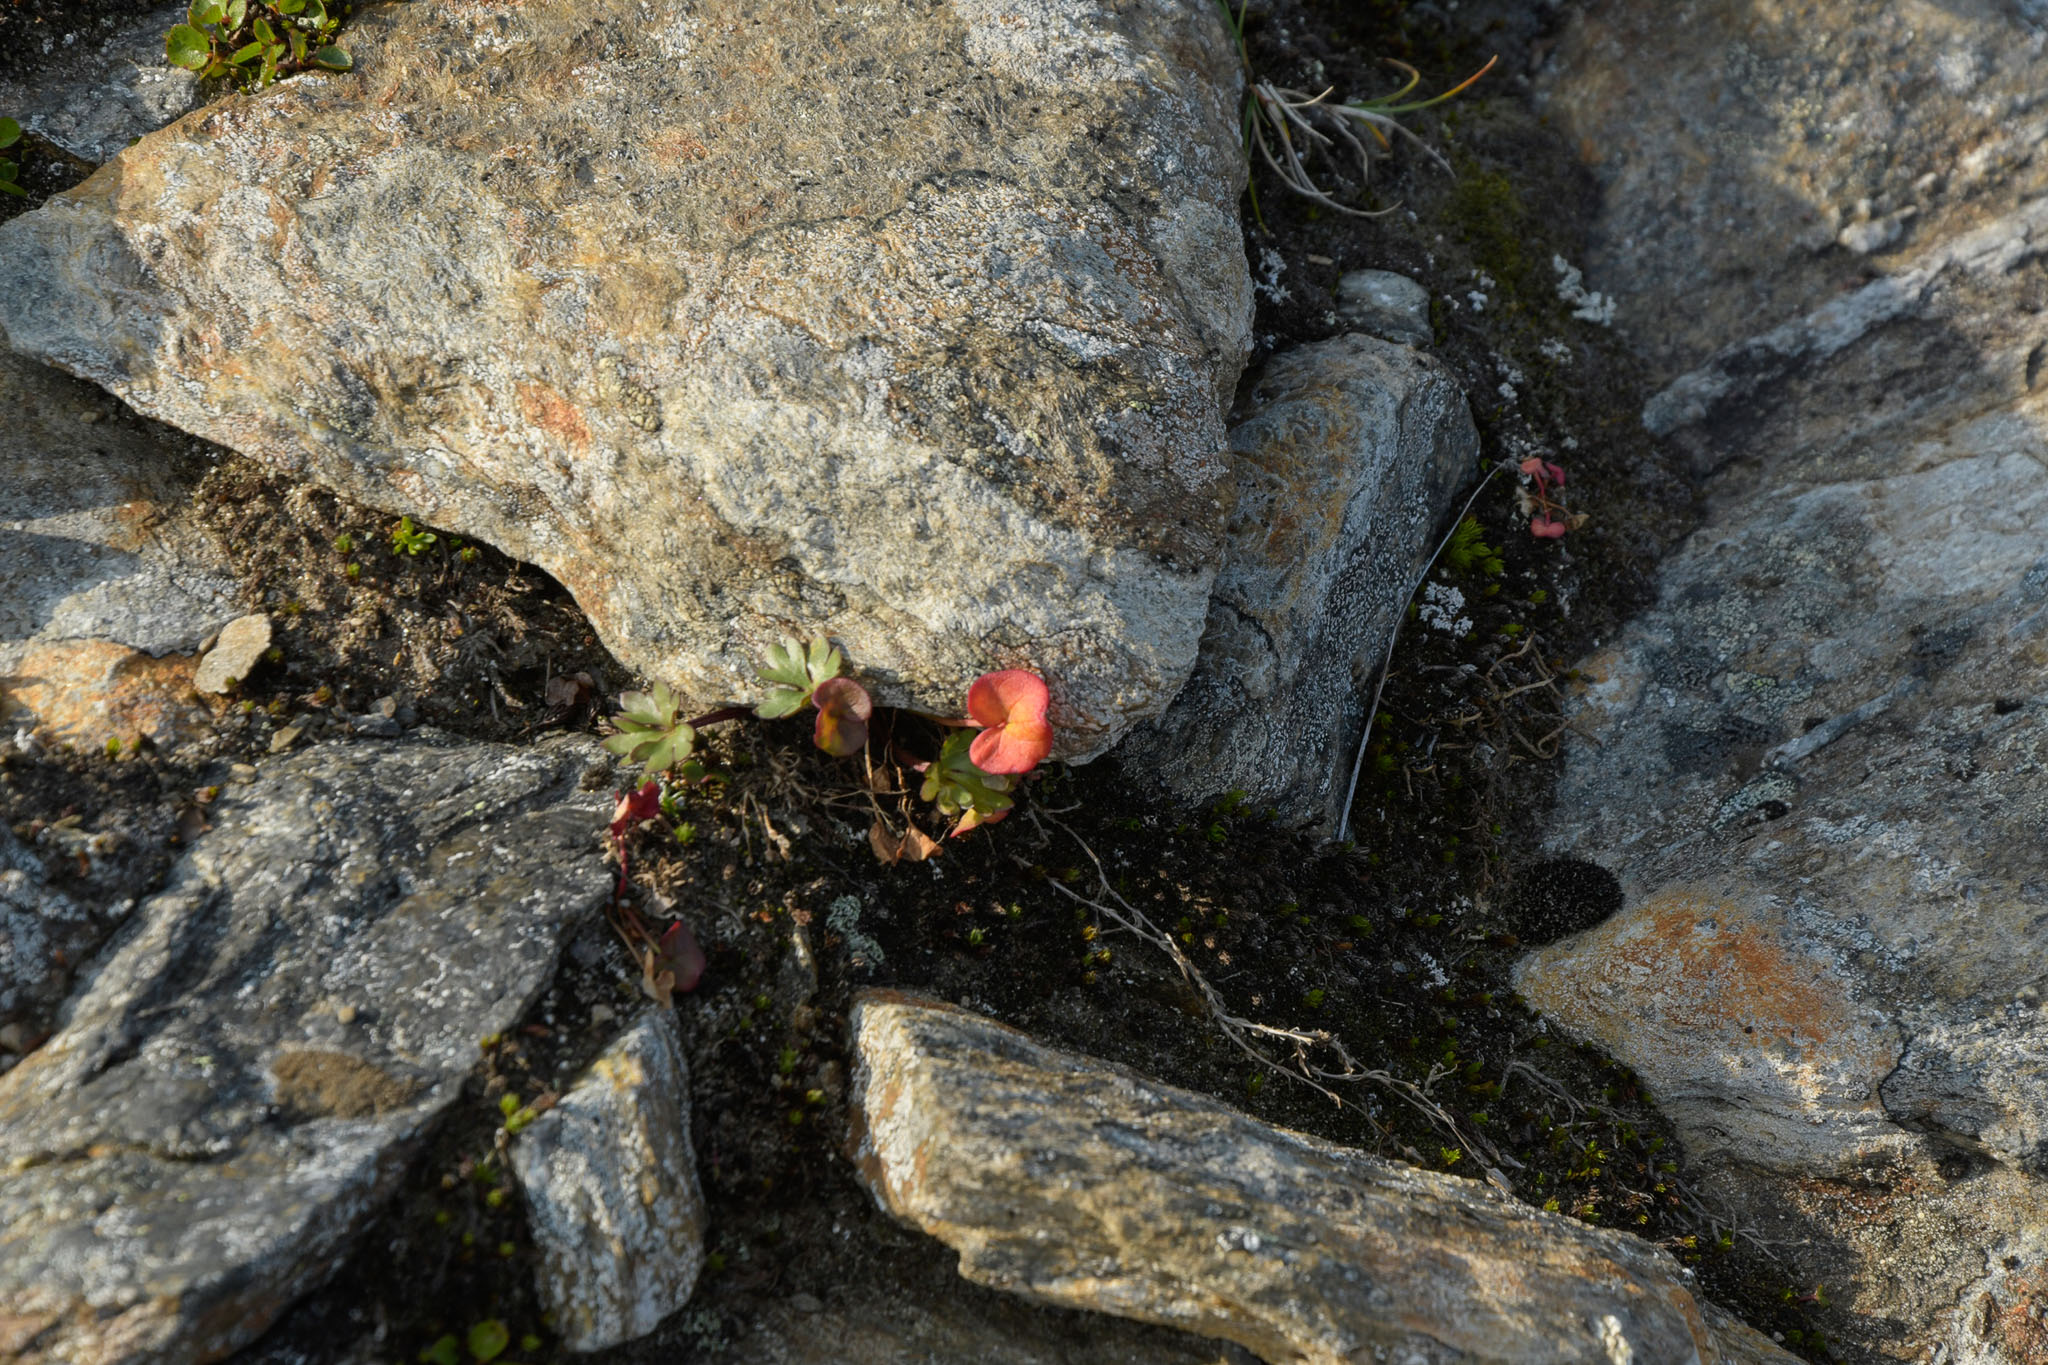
x,y
912,326
245,1072
611,1191
241,645
1348,456
107,585
1083,1184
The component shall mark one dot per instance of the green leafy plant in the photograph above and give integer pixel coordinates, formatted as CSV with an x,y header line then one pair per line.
x,y
1467,551
407,539
253,42
961,790
10,133
652,731
794,672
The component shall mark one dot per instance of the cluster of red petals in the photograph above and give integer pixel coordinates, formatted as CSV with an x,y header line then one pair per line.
x,y
1546,474
1010,707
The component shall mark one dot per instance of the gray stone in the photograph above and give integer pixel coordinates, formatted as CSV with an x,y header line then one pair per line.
x,y
243,1074
1083,1184
1816,766
1390,306
41,929
95,97
107,583
1348,456
611,1191
239,649
913,326
1747,148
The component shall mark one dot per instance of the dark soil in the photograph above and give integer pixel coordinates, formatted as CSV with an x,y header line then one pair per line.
x,y
1399,944
32,31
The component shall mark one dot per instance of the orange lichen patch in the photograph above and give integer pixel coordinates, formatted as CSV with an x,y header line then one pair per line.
x,y
1702,979
554,414
672,147
85,692
2020,1322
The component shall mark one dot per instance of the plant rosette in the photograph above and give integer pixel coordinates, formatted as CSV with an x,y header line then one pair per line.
x,y
255,43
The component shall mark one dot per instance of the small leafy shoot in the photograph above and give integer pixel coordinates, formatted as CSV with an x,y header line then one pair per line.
x,y
794,672
651,730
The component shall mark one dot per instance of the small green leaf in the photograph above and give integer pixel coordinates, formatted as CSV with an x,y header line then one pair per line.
x,y
9,187
446,1351
238,11
186,46
204,12
244,55
288,7
265,34
10,132
488,1340
332,58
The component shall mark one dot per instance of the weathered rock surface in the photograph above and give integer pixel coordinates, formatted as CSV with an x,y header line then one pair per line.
x,y
795,318
1348,456
1083,1184
1819,768
1759,155
237,651
95,97
611,1191
107,586
244,1073
41,928
1385,304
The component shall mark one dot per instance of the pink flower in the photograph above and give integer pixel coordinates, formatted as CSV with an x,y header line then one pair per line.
x,y
1010,707
1546,474
1545,528
844,709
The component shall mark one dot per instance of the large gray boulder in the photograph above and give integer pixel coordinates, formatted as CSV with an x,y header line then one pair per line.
x,y
913,326
1348,454
243,1074
1083,1184
1816,765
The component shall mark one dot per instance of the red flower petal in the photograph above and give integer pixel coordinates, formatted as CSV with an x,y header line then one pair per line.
x,y
1543,528
1014,748
1012,694
843,711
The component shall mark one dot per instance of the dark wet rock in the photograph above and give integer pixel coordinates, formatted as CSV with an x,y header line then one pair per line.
x,y
242,1075
95,88
1349,452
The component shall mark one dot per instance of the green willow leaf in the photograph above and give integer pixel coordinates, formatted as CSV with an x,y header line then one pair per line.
x,y
332,58
10,132
186,46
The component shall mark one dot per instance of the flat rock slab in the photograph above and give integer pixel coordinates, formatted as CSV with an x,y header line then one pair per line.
x,y
911,325
1756,154
1348,454
99,87
611,1190
244,1074
108,586
1817,768
1079,1183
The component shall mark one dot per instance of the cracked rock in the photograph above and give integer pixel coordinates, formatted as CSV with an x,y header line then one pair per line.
x,y
199,1141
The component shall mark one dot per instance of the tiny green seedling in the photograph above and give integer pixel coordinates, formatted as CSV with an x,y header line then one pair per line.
x,y
409,540
794,671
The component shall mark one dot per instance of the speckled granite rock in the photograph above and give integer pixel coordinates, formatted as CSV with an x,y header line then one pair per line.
x,y
1759,156
787,318
107,586
1348,456
1079,1183
242,1076
1819,767
611,1191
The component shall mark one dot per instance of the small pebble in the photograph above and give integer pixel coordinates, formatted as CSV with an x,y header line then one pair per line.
x,y
805,1303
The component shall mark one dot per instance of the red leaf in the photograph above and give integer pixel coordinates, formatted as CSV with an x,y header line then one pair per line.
x,y
681,956
843,711
1010,706
643,804
1543,528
